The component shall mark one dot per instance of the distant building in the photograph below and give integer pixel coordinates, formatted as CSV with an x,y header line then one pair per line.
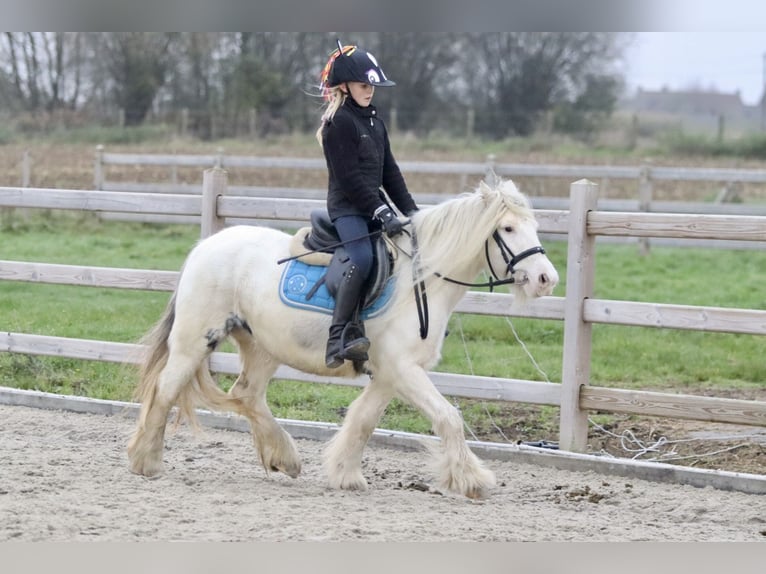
x,y
699,107
689,102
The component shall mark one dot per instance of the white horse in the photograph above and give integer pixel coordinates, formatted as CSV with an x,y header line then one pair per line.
x,y
228,287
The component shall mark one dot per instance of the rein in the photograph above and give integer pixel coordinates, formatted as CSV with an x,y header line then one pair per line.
x,y
511,260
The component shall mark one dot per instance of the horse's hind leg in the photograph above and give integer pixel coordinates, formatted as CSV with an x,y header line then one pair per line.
x,y
275,446
146,446
343,454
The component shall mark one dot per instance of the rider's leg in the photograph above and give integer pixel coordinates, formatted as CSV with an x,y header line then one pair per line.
x,y
352,229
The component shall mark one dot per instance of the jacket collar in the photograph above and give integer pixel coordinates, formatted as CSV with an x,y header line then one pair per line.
x,y
368,112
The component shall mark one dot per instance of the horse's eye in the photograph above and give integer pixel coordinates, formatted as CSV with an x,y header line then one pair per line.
x,y
508,229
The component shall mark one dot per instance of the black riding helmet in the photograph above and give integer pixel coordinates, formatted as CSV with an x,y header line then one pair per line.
x,y
356,65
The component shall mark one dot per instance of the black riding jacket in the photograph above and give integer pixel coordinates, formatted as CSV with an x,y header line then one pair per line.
x,y
360,162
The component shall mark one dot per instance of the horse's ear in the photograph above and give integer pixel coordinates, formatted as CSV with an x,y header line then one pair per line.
x,y
485,191
492,179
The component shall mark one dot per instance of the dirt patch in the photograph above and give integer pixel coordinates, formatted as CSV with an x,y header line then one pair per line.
x,y
64,478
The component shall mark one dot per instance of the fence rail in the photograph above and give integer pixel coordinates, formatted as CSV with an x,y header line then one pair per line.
x,y
645,177
579,310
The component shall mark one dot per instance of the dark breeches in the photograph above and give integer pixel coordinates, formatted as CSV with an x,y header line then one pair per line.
x,y
354,229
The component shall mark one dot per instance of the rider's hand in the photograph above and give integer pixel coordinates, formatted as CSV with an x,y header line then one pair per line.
x,y
392,225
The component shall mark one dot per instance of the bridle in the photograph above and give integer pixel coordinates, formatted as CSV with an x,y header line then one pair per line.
x,y
511,260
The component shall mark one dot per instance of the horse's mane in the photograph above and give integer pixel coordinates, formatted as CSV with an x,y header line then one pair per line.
x,y
451,234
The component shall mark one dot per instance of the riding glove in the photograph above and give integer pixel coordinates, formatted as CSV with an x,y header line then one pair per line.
x,y
392,225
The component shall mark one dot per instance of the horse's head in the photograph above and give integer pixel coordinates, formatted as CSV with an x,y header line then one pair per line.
x,y
513,250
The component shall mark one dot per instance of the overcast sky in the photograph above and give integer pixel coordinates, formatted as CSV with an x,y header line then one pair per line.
x,y
702,43
725,61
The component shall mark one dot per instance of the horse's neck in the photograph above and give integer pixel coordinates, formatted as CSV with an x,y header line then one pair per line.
x,y
441,291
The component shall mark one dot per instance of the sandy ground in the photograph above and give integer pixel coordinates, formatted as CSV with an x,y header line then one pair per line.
x,y
64,477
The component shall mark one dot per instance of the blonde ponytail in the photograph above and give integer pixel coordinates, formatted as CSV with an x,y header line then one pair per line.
x,y
335,98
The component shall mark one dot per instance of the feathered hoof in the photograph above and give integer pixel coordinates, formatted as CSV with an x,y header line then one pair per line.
x,y
349,481
143,460
477,493
474,482
342,477
146,467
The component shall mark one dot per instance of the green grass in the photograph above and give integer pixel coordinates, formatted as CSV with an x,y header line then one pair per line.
x,y
751,146
626,357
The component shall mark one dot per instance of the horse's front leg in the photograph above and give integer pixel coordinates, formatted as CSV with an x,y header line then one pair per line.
x,y
343,454
459,469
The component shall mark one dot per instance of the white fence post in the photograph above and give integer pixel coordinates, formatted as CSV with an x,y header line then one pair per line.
x,y
252,123
393,124
98,168
26,169
184,122
573,426
214,183
489,169
645,193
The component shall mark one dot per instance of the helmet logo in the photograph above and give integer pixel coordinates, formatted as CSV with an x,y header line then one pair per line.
x,y
373,60
373,77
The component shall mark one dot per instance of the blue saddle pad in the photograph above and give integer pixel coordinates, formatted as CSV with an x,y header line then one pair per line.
x,y
298,279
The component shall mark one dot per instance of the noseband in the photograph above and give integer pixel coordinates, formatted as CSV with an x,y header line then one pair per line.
x,y
510,259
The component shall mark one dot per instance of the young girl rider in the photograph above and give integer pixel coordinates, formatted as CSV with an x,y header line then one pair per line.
x,y
359,162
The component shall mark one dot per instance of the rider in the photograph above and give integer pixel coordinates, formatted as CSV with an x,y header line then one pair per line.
x,y
359,162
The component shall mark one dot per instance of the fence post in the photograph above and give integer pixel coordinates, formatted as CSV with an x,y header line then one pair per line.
x,y
184,122
26,169
573,424
393,124
253,116
489,169
645,193
98,168
213,186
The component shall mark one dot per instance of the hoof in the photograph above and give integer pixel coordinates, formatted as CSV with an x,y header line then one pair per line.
x,y
291,470
351,481
150,470
477,493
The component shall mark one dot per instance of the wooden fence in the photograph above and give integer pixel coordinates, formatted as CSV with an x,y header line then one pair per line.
x,y
579,310
645,177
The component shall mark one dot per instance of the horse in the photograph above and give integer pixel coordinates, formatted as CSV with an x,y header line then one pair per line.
x,y
228,290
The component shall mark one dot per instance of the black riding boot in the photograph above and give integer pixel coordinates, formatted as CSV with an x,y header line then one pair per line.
x,y
347,340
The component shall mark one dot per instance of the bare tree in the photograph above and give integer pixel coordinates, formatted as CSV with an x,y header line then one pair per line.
x,y
511,79
138,63
516,76
44,70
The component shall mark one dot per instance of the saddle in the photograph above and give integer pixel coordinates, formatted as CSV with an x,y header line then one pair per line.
x,y
321,240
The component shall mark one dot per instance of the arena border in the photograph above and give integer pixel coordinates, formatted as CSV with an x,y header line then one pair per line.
x,y
626,468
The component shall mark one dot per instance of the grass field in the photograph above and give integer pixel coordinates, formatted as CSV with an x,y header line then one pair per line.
x,y
622,356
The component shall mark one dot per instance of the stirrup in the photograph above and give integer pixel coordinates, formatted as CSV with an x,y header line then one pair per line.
x,y
353,343
334,361
356,350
